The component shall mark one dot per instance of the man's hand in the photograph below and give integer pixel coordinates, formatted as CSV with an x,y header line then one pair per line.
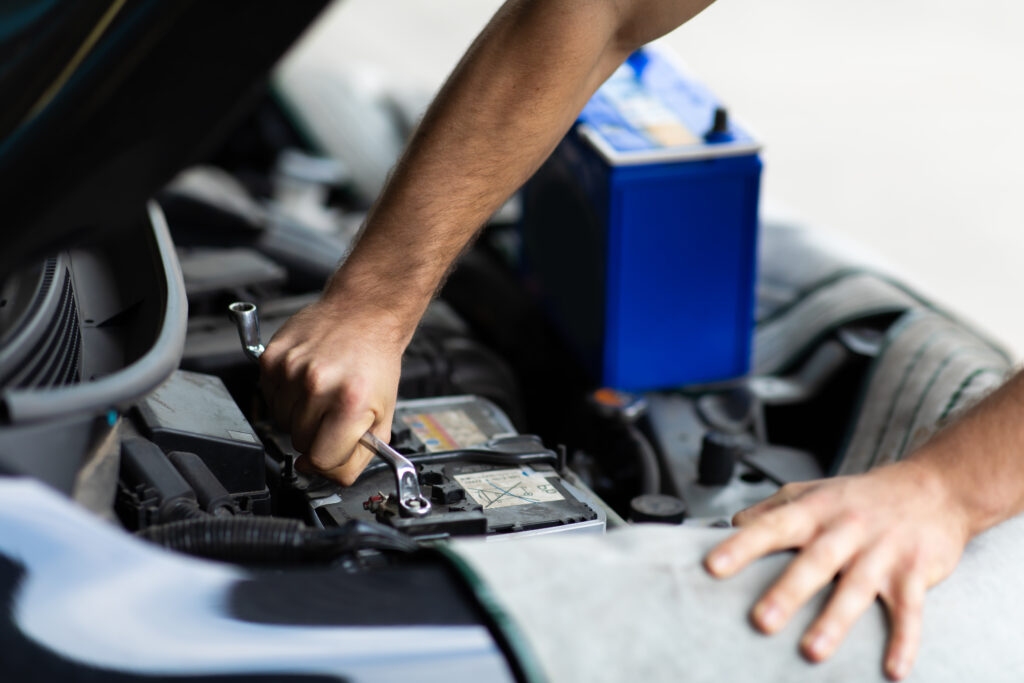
x,y
891,533
331,374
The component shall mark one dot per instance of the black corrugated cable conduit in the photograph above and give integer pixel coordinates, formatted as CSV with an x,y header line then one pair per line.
x,y
268,539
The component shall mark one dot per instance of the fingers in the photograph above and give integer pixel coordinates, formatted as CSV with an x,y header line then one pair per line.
x,y
330,454
306,417
857,590
337,438
786,494
813,569
905,616
789,526
279,393
298,401
271,374
747,515
348,472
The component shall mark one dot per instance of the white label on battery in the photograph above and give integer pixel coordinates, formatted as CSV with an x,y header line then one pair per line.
x,y
445,430
645,112
504,488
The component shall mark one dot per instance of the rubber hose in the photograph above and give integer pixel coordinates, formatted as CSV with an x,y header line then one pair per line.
x,y
647,459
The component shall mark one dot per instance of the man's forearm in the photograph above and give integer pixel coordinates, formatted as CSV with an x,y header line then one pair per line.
x,y
330,374
504,108
979,458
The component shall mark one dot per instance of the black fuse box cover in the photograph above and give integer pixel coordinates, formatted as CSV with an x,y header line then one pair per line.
x,y
195,413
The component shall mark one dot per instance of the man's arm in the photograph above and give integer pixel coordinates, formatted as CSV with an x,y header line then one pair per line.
x,y
331,373
891,533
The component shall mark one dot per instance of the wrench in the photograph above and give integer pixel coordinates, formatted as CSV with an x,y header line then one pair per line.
x,y
411,501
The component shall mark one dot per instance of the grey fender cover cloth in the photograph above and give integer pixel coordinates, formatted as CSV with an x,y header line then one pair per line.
x,y
636,605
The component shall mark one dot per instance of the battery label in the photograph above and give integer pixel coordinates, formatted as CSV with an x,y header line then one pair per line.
x,y
644,113
505,488
445,430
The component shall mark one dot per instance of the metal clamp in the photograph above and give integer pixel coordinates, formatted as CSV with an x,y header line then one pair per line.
x,y
411,501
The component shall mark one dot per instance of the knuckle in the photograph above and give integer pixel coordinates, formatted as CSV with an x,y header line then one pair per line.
x,y
354,395
353,467
860,582
322,461
906,605
854,518
782,522
788,491
910,562
348,477
825,555
292,362
799,489
316,379
824,498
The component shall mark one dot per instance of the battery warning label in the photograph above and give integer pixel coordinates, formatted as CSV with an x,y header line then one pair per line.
x,y
445,430
505,488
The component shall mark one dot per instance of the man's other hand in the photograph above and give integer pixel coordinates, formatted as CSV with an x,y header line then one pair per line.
x,y
329,375
891,534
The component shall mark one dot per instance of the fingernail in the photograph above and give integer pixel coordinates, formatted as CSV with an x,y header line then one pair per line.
x,y
767,615
817,645
898,668
720,563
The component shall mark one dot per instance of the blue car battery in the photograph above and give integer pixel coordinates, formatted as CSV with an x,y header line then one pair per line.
x,y
639,233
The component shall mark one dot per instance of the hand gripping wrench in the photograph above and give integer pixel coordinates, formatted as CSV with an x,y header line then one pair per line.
x,y
411,501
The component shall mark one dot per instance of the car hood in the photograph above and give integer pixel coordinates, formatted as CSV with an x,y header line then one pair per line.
x,y
103,101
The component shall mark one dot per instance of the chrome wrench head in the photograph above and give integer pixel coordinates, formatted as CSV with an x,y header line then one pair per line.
x,y
411,501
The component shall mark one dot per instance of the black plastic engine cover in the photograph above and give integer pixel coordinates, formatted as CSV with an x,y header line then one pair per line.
x,y
194,413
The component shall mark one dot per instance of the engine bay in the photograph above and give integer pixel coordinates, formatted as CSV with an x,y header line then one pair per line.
x,y
171,202
508,434
503,429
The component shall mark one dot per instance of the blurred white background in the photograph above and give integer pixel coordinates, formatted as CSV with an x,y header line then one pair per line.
x,y
895,123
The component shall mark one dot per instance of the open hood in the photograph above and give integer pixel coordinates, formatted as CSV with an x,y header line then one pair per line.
x,y
103,101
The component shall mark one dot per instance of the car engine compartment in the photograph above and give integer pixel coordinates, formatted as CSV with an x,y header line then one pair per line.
x,y
508,435
158,525
126,386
